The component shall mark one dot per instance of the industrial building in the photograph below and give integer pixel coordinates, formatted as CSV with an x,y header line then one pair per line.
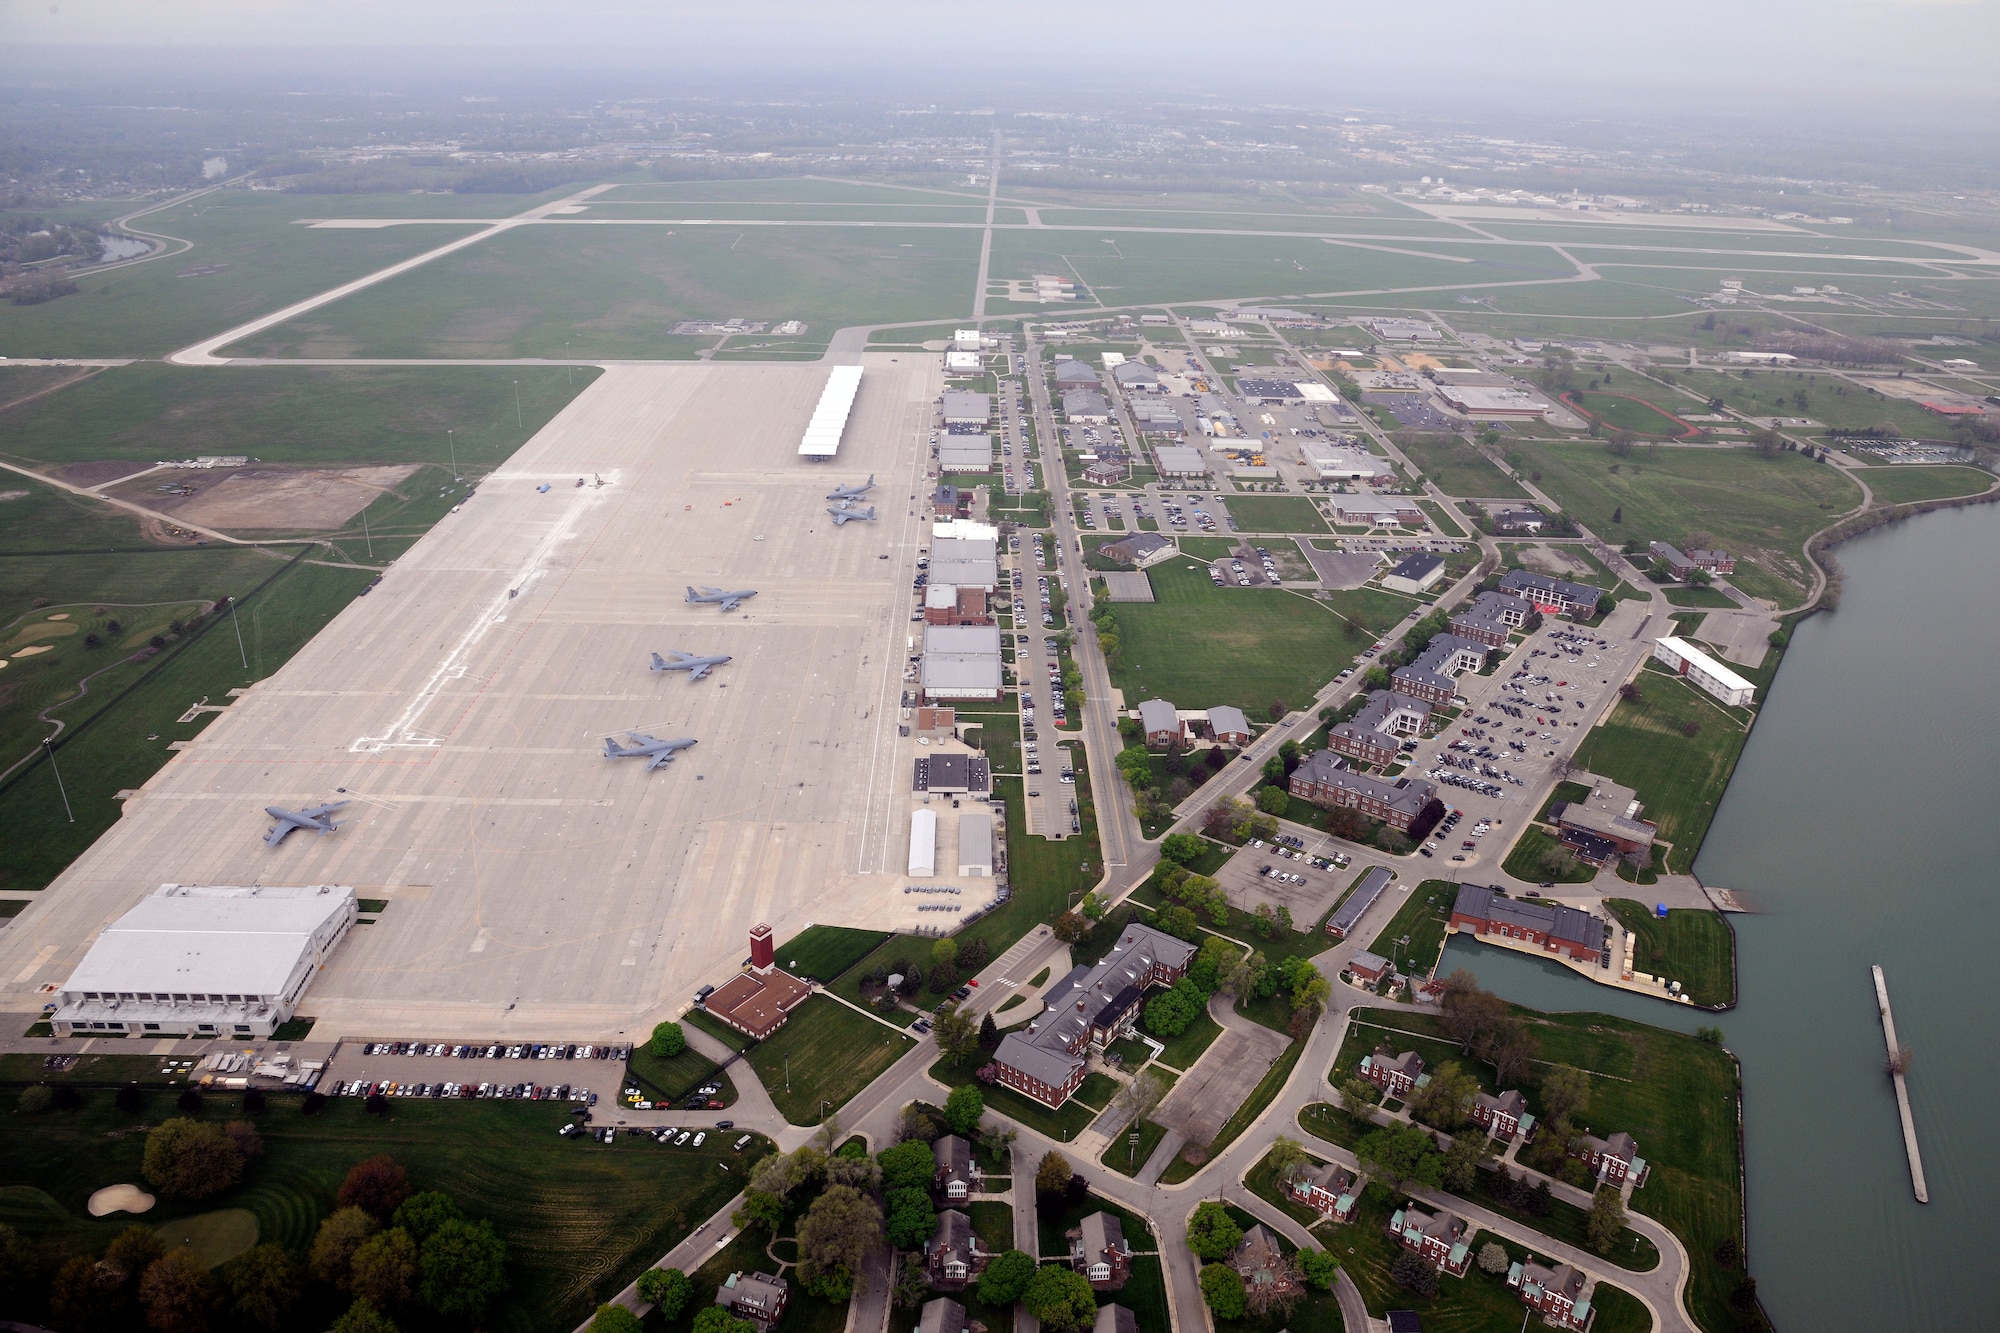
x,y
962,363
1605,824
965,453
966,562
1550,926
1414,574
1358,902
205,960
1179,460
923,844
961,662
1375,511
967,409
1085,405
975,843
1330,463
1074,374
1698,668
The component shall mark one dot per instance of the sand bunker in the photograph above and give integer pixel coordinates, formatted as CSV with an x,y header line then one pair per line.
x,y
64,615
30,652
119,1199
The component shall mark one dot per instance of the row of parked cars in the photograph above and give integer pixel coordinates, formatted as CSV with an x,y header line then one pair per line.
x,y
498,1050
531,1092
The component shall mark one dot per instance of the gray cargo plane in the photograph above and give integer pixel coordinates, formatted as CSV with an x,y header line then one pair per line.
x,y
318,818
650,748
696,667
842,517
846,493
728,601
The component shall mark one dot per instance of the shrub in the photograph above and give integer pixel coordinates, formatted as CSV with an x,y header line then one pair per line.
x,y
37,1099
668,1040
1222,1289
190,1160
1413,1273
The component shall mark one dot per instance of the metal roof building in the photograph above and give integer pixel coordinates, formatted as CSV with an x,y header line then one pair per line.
x,y
965,453
975,843
829,419
923,843
208,960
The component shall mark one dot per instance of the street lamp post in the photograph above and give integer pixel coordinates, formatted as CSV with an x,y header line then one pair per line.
x,y
59,782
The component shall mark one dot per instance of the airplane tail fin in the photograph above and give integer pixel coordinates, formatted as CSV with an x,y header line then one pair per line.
x,y
659,663
611,748
690,595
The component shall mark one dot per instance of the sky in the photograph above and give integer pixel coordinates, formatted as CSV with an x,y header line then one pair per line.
x,y
1740,53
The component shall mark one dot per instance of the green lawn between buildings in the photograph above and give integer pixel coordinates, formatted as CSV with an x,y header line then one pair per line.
x,y
1275,513
1423,918
823,1055
1531,859
1694,946
581,1219
1457,468
1901,485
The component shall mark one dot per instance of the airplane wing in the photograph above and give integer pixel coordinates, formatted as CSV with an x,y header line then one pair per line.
x,y
641,738
660,759
731,603
701,672
272,837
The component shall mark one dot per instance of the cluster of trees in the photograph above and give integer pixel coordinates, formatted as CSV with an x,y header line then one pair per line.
x,y
1174,1010
402,1253
1152,802
1236,819
1105,619
1486,1028
669,1289
1213,1235
1191,898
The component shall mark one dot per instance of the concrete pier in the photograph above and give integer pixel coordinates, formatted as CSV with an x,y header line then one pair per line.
x,y
1902,1088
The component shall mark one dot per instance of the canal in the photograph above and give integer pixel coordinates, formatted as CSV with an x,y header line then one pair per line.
x,y
1856,823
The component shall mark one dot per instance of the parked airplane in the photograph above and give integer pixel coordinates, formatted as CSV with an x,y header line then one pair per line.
x,y
696,667
842,517
318,818
650,748
853,492
728,601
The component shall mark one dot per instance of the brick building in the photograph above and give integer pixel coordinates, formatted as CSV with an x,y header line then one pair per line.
x,y
1375,734
1579,601
1439,1238
1613,1160
1323,779
1549,926
1490,618
1395,1074
1557,1294
1330,1190
1502,1116
1433,677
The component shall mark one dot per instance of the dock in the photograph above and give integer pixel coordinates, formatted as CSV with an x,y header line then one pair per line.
x,y
1902,1087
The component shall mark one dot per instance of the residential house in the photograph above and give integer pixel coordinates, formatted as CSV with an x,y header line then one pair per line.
x,y
1098,1250
1548,926
953,1255
1323,779
1557,1294
957,1174
1681,564
1490,618
1260,1261
1439,1238
942,1315
757,1297
1527,519
1502,1116
1395,1074
1330,1190
1613,1160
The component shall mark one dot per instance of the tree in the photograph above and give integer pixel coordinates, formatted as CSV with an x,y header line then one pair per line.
x,y
191,1160
1618,514
1054,1174
1274,770
1401,1153
384,1269
422,1214
1565,1096
1444,1102
249,1143
262,1284
957,1035
1631,693
615,1319
89,1295
1240,973
377,1185
1318,1267
1744,1297
859,1171
1414,1273
1508,1046
1493,1258
667,1288
1357,1096
963,1108
1287,1158
177,1293
1461,1162
1222,1290
1069,927
834,1237
943,978
1181,848
1138,1098
715,1319
945,950
1168,1014
339,1236
1273,800
1211,1233
909,1165
464,1269
912,1219
1606,1220
361,1317
190,1101
1061,1298
760,1208
668,1040
36,1099
1006,1278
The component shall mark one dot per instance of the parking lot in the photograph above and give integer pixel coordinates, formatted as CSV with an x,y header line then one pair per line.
x,y
1247,886
579,1074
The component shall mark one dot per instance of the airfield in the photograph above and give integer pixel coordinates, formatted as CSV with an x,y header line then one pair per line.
x,y
534,887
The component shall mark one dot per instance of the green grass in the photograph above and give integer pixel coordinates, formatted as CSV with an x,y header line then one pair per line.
x,y
1253,1106
1198,645
994,1223
1760,507
1423,918
1062,1125
1619,1311
1182,1051
1694,946
1632,412
1458,468
213,1237
611,291
1525,860
1126,1159
1699,597
580,1219
1275,513
825,952
823,1055
674,1077
1901,485
1770,393
1679,778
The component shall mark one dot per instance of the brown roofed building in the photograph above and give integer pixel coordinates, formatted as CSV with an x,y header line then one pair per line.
x,y
757,1297
758,1005
942,1315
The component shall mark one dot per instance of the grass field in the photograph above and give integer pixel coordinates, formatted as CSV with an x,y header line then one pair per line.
x,y
1699,597
1198,645
1275,513
1900,485
1526,859
1693,946
1457,467
1829,400
613,291
1628,412
580,1219
823,1055
1423,918
1126,1158
1680,778
1762,507
824,952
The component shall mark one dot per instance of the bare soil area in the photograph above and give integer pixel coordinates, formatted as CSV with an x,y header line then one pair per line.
x,y
272,497
98,472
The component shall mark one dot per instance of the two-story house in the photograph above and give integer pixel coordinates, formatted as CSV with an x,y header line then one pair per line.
x,y
1330,1190
957,1175
1439,1238
1613,1160
1503,1116
1098,1250
953,1255
1557,1294
1395,1074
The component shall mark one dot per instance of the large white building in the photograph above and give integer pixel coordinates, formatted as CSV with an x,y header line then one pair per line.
x,y
204,960
1683,658
923,843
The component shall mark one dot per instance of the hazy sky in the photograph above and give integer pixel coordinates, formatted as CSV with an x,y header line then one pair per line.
x,y
1568,51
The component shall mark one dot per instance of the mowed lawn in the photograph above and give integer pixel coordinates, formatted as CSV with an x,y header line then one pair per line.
x,y
1764,508
1198,645
1423,920
1901,485
822,1056
1679,777
1457,467
1693,945
1633,412
614,291
1275,513
580,1218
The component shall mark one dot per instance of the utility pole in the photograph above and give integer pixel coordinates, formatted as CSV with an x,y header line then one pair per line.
x,y
240,650
452,445
364,533
59,782
517,406
570,369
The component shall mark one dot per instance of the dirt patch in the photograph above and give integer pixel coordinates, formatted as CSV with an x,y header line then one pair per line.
x,y
266,497
1553,560
99,472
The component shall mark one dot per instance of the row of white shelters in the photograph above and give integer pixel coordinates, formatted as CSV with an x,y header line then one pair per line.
x,y
829,419
204,960
1690,662
923,843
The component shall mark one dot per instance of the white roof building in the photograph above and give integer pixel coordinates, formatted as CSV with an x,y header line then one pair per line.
x,y
965,453
1334,464
1180,460
961,363
966,340
205,960
923,843
975,843
966,529
965,562
829,418
1701,670
961,407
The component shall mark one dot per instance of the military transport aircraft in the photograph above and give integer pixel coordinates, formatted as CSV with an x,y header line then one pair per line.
x,y
318,818
842,517
728,601
696,667
846,493
650,748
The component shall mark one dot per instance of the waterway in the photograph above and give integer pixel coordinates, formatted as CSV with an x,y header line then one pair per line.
x,y
1857,823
